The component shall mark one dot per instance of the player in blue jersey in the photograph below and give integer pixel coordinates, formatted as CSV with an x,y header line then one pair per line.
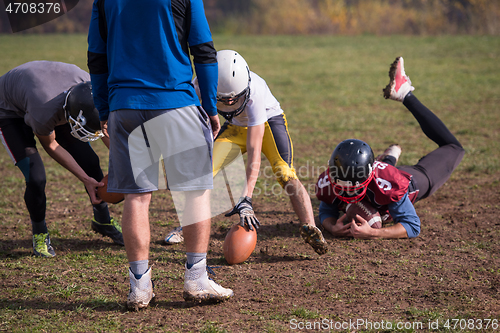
x,y
45,99
140,65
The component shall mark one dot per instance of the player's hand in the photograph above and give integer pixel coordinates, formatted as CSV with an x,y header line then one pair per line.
x,y
245,210
339,229
215,123
360,228
91,185
104,128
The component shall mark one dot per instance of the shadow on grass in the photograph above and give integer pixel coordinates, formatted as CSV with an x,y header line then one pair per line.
x,y
24,248
94,305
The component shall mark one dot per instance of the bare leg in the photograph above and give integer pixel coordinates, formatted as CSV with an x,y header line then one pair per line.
x,y
301,202
135,226
196,221
196,236
302,206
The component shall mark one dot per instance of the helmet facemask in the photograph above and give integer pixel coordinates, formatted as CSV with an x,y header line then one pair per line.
x,y
233,90
346,191
230,107
78,130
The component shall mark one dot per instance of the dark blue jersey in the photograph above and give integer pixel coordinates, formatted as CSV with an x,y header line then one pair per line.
x,y
139,55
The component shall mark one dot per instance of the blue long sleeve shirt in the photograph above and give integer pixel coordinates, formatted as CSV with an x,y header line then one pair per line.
x,y
139,55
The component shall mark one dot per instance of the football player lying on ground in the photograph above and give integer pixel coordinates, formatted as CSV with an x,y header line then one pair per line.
x,y
355,174
53,101
256,123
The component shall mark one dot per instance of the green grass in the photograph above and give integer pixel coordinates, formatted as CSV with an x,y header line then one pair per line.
x,y
331,89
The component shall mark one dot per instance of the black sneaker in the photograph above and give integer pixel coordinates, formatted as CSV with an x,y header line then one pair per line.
x,y
112,230
42,247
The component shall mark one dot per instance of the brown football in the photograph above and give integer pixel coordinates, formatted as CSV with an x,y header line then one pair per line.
x,y
239,244
364,209
102,193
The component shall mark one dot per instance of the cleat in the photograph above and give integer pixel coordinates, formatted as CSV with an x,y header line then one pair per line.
x,y
198,287
141,291
42,247
175,236
393,150
313,236
400,84
111,229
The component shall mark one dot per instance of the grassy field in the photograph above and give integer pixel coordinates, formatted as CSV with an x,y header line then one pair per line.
x,y
331,89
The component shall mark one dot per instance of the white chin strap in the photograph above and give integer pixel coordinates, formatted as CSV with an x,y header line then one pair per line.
x,y
81,133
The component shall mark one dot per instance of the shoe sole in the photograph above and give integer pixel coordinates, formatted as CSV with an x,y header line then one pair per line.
x,y
173,242
310,238
136,306
392,76
204,298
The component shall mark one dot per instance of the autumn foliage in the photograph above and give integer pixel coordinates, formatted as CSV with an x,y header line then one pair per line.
x,y
346,17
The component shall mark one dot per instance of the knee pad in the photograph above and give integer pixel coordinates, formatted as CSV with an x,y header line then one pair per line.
x,y
284,173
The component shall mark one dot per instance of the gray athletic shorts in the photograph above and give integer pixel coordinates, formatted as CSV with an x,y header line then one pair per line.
x,y
141,142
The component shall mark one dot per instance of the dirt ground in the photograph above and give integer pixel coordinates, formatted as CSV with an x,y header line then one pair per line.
x,y
452,270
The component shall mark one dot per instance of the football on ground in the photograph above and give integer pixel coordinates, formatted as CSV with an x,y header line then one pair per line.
x,y
364,209
102,193
239,244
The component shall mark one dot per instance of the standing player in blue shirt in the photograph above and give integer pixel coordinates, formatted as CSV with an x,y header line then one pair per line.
x,y
140,65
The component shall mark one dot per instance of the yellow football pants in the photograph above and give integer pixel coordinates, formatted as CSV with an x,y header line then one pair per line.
x,y
276,146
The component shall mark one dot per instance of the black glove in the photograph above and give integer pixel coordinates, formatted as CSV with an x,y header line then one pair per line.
x,y
245,209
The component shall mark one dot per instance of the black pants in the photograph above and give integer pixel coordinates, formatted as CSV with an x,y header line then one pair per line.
x,y
435,168
19,140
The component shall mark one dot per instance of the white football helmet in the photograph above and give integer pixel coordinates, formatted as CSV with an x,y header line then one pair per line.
x,y
233,90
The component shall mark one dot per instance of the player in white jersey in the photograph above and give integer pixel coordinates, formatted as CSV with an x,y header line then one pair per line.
x,y
53,101
255,124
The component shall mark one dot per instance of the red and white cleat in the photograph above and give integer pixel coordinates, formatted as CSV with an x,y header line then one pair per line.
x,y
400,84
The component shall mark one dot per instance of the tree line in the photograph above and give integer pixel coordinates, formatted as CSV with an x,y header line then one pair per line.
x,y
343,17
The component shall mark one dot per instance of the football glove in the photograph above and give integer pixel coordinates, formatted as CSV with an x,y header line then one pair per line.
x,y
245,210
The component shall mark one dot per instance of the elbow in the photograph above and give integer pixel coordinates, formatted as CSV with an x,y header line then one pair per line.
x,y
97,63
414,231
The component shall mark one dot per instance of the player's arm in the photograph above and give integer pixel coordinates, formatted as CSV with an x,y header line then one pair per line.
x,y
204,55
402,212
97,59
329,219
244,207
97,62
64,158
255,136
364,231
